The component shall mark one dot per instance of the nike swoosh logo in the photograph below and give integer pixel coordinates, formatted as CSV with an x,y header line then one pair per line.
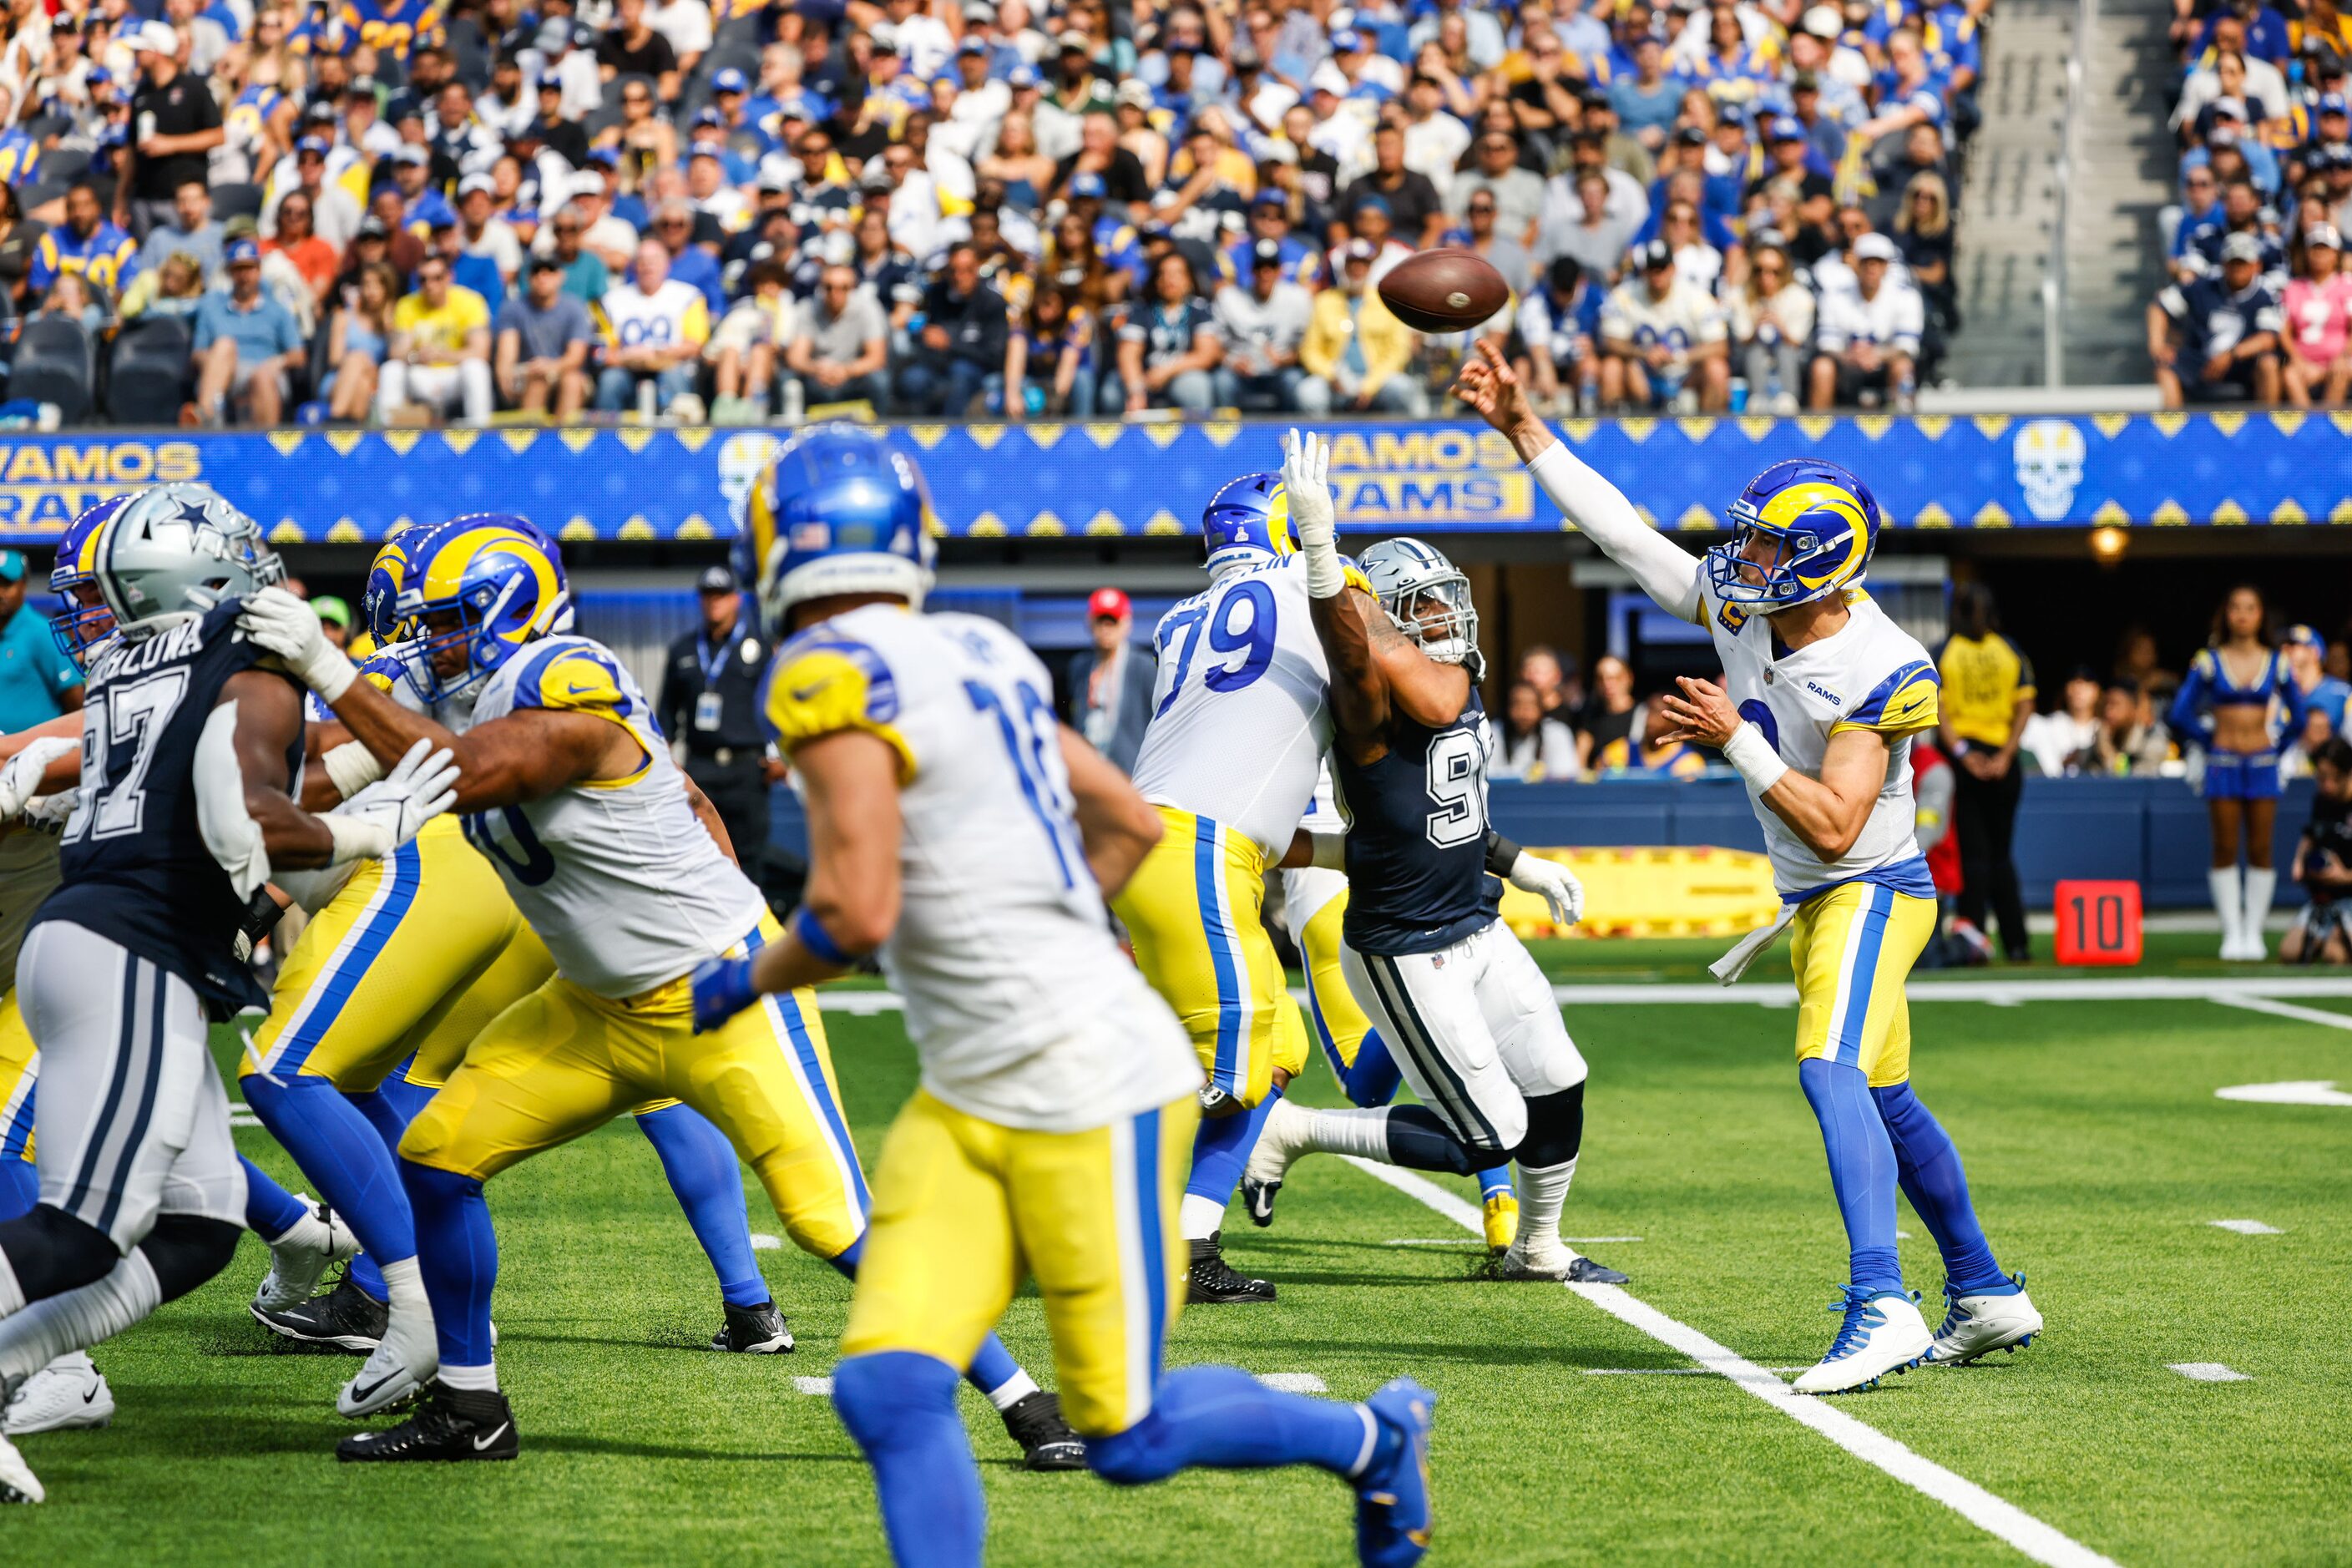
x,y
482,1443
808,693
359,1394
91,1398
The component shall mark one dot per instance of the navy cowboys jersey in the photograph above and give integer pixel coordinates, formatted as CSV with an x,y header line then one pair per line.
x,y
1417,874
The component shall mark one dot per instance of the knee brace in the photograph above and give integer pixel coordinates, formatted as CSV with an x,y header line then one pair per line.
x,y
889,1400
52,1252
1555,1129
184,1250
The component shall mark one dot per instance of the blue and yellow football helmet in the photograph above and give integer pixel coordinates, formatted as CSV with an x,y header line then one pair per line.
x,y
83,619
1247,522
499,578
839,512
379,599
1822,522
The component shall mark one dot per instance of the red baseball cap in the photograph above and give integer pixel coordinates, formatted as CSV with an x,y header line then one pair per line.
x,y
1107,602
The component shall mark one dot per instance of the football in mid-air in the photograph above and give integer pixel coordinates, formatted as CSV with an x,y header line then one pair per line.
x,y
1445,290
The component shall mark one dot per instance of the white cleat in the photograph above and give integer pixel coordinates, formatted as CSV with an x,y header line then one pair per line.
x,y
17,1482
1881,1333
68,1393
298,1258
1552,1259
1979,1325
1279,1141
397,1369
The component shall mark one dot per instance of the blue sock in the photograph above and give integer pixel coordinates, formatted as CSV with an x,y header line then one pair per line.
x,y
389,1107
340,1151
1373,1081
703,1173
1495,1181
459,1260
269,1209
1222,1147
1861,1167
1222,1417
1929,1168
900,1408
991,1364
20,1187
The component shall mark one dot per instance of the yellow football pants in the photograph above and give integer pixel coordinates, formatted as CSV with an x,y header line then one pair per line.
x,y
964,1210
1339,1021
1852,948
20,1067
563,1061
1192,911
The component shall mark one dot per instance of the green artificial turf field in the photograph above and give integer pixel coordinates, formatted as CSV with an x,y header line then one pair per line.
x,y
2099,1155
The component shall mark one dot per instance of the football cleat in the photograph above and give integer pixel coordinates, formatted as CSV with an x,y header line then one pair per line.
x,y
754,1331
301,1257
1393,1510
1034,1421
452,1425
1501,1222
1979,1325
1881,1332
1210,1283
345,1318
17,1482
68,1393
397,1369
1553,1259
1269,1161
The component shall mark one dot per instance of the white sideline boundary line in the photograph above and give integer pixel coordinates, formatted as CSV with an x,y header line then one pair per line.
x,y
2288,1010
1980,1508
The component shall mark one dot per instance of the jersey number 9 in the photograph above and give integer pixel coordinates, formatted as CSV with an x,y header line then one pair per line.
x,y
1457,788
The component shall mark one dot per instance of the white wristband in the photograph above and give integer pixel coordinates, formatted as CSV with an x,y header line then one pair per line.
x,y
350,768
1753,756
331,675
357,838
1325,577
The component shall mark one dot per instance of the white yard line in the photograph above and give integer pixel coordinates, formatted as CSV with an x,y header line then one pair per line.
x,y
2246,1226
2288,1010
1978,1507
2299,1092
2208,1371
1293,1382
822,1387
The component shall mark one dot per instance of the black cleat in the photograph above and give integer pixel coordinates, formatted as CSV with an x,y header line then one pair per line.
x,y
345,1318
1046,1441
1584,1271
754,1331
1210,1283
451,1424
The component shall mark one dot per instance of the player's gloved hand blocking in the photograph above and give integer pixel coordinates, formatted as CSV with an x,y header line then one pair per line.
x,y
1554,883
288,627
20,779
421,787
1306,483
722,988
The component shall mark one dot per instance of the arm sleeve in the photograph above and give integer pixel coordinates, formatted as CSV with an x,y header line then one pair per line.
x,y
1665,571
2183,717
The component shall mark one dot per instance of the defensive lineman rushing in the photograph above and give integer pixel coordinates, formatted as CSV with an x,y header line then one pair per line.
x,y
960,832
191,757
1823,696
1472,1017
625,875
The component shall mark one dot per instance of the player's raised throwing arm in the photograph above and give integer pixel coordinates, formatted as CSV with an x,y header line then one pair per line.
x,y
1666,572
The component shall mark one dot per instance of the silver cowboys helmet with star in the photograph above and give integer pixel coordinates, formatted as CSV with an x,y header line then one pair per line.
x,y
174,551
1427,595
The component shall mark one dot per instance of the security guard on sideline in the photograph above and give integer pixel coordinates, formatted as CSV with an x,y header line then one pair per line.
x,y
710,701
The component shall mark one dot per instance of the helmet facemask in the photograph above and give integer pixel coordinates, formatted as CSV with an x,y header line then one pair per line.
x,y
1438,617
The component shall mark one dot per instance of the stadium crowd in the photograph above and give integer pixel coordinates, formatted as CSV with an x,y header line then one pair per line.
x,y
2259,305
400,211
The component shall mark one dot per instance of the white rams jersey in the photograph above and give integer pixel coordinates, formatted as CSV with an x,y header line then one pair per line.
x,y
618,877
1241,713
1022,1009
1873,675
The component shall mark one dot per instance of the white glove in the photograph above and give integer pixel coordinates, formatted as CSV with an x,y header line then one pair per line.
x,y
20,779
49,813
287,626
1554,883
389,812
1306,483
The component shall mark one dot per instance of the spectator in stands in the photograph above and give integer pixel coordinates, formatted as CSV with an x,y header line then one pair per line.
x,y
841,352
1648,103
1110,683
1355,353
654,328
1771,330
1558,683
175,290
2316,324
1517,193
1169,348
1263,322
748,344
632,49
1609,719
960,353
2322,693
1529,744
1663,343
2130,740
1412,206
2322,931
2067,741
1867,339
1595,236
543,336
247,347
20,240
189,228
301,244
1558,325
85,243
358,338
1988,695
2200,209
1049,364
2226,328
1924,234
440,357
71,297
2242,215
175,123
37,681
